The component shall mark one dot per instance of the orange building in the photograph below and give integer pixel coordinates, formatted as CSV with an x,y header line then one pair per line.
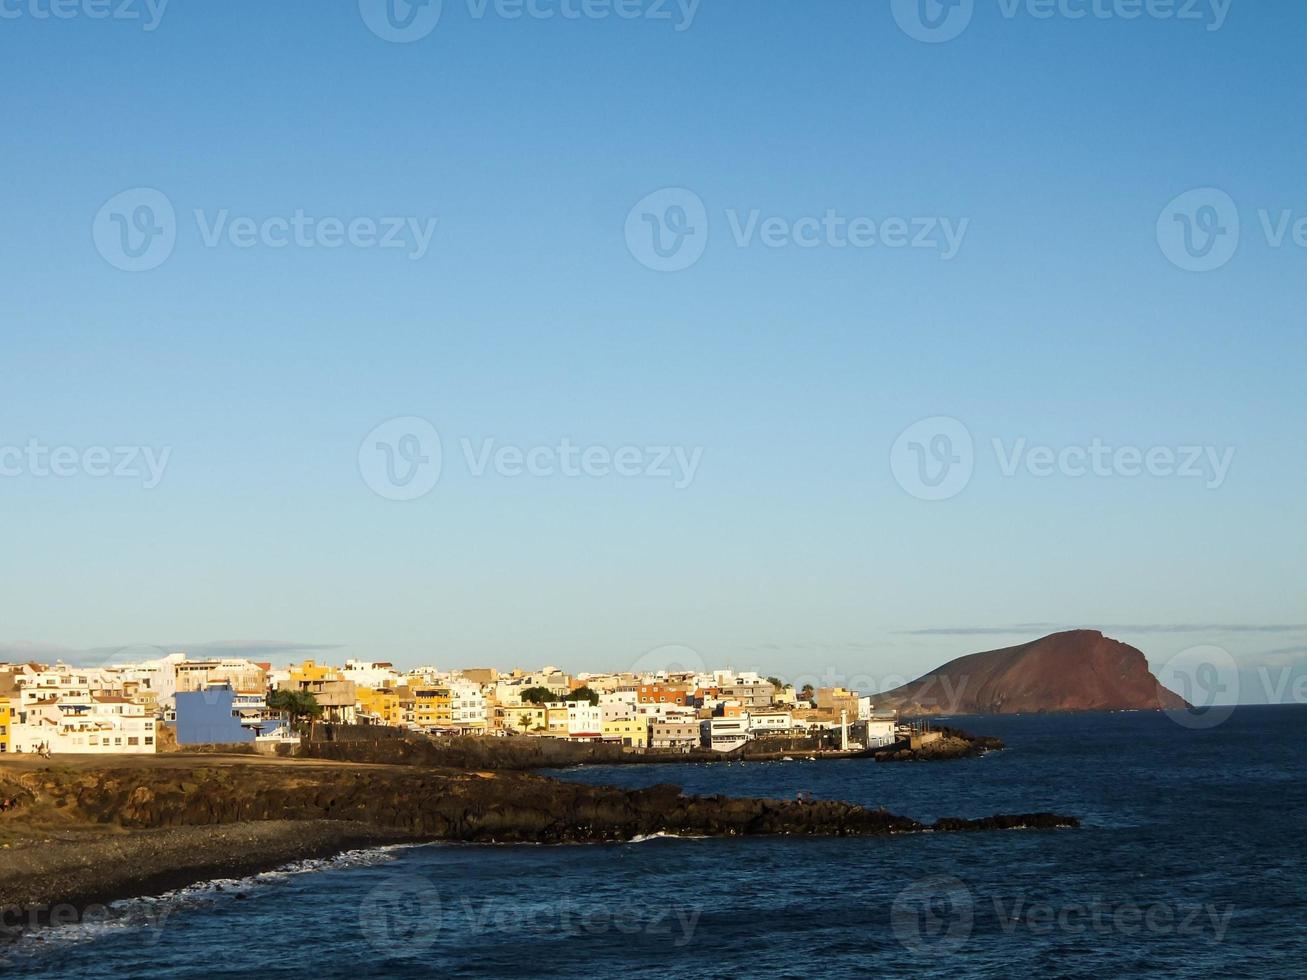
x,y
661,694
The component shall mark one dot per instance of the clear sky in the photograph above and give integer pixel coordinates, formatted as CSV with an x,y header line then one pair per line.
x,y
1062,310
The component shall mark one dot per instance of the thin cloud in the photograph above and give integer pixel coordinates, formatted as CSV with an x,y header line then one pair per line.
x,y
22,651
1024,628
252,649
1279,657
813,646
1299,650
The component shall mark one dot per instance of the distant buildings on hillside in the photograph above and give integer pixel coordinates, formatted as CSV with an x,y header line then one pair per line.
x,y
131,708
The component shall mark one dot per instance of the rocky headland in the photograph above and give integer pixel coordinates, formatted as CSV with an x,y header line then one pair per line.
x,y
1078,670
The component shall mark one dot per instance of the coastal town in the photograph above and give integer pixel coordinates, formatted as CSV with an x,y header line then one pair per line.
x,y
176,701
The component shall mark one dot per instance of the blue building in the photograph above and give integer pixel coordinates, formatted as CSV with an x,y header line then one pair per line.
x,y
209,717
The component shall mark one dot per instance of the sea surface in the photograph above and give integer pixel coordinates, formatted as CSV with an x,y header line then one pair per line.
x,y
1191,863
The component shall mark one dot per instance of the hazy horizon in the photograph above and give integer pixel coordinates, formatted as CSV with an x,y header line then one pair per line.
x,y
1271,677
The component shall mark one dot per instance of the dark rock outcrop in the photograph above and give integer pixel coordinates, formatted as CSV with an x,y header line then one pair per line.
x,y
437,805
950,744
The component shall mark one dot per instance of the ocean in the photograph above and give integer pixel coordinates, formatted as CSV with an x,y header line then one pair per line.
x,y
1190,863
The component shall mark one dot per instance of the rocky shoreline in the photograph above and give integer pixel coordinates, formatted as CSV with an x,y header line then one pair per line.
x,y
97,834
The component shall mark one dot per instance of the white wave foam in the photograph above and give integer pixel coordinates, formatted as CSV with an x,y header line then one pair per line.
x,y
663,835
150,912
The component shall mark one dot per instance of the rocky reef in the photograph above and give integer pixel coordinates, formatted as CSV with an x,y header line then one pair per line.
x,y
950,743
449,806
168,821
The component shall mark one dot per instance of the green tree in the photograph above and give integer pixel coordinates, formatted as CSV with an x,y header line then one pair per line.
x,y
539,695
584,694
299,705
776,682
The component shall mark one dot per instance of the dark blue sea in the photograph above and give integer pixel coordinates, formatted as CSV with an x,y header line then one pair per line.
x,y
1190,863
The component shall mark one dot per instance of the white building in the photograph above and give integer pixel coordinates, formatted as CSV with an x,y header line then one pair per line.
x,y
880,731
726,734
159,676
375,675
617,706
764,722
584,720
665,712
467,706
97,725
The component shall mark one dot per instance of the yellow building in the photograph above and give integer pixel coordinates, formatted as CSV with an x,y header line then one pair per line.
x,y
630,732
6,723
380,705
310,671
556,720
521,717
433,707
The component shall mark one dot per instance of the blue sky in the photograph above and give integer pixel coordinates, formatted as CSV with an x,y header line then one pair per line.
x,y
1057,143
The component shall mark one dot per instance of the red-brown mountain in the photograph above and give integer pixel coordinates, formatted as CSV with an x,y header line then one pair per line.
x,y
1080,670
